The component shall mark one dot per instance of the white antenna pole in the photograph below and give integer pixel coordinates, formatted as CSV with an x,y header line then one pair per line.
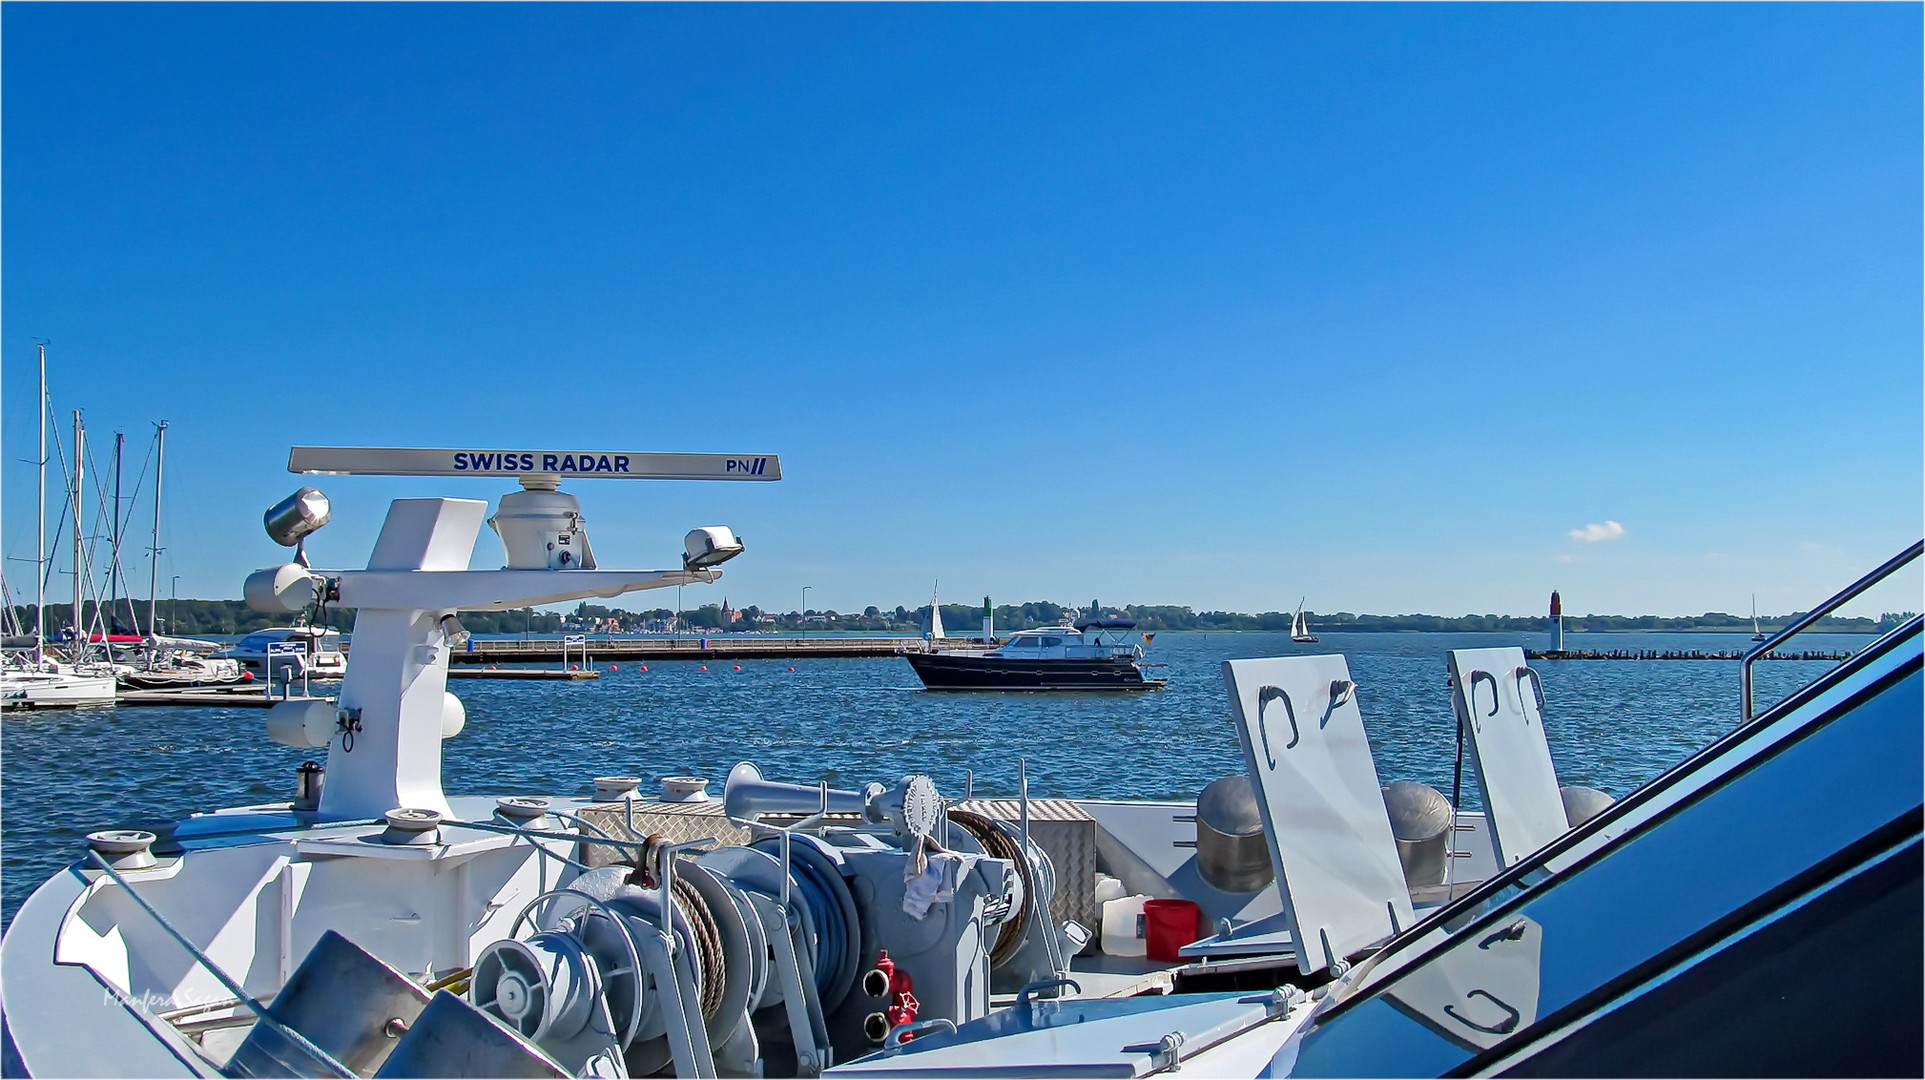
x,y
40,545
153,561
80,472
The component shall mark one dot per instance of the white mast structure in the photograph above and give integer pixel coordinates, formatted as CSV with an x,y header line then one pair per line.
x,y
153,559
40,541
384,736
935,613
79,474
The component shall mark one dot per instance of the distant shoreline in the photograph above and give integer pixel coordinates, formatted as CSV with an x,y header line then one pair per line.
x,y
232,617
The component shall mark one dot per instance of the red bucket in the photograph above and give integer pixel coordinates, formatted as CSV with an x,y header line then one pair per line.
x,y
1168,925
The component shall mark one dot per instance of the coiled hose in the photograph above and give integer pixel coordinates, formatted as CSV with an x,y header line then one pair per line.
x,y
832,933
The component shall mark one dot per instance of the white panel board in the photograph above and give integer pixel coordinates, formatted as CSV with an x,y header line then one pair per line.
x,y
1323,812
571,463
1495,698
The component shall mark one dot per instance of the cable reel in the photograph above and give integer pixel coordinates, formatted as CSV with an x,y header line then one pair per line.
x,y
563,986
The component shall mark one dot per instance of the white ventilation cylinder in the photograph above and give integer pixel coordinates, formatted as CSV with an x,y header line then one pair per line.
x,y
287,587
306,725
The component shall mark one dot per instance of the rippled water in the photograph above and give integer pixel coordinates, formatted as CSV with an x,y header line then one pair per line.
x,y
1612,724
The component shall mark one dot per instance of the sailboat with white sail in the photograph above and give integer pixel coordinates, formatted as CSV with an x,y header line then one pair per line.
x,y
934,631
1757,632
1300,628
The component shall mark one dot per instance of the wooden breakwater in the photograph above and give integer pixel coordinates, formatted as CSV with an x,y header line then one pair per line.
x,y
649,650
1673,654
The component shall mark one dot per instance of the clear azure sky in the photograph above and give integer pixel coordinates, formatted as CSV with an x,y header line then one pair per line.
x,y
1398,308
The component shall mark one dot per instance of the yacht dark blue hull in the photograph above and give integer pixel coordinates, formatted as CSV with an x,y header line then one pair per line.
x,y
947,671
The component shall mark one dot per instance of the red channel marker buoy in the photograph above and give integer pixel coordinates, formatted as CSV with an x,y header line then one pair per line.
x,y
705,667
612,667
791,669
644,667
738,667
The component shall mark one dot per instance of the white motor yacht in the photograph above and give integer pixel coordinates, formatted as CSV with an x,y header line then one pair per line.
x,y
319,658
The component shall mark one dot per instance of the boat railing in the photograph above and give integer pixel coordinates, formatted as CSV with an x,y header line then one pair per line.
x,y
1843,597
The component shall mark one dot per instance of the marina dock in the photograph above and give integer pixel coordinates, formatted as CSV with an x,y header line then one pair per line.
x,y
550,674
1683,654
649,650
250,697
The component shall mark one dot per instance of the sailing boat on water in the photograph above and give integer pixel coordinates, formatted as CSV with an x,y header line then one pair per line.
x,y
1757,632
1300,627
934,631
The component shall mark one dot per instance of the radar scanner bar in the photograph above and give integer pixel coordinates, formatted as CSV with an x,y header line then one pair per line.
x,y
567,464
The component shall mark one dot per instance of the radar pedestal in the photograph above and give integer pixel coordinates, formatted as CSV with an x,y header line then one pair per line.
x,y
394,686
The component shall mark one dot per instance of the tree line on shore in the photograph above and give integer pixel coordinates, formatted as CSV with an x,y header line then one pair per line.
x,y
228,617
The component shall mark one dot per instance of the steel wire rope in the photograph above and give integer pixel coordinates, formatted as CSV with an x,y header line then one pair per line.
x,y
998,844
708,943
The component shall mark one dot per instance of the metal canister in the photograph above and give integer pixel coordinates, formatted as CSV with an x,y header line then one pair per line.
x,y
1231,852
1420,820
307,785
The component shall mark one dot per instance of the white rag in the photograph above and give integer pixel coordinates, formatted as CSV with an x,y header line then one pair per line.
x,y
935,885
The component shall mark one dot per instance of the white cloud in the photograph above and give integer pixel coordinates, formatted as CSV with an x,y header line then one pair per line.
x,y
1595,531
1567,559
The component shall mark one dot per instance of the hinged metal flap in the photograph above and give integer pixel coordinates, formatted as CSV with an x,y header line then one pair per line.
x,y
1303,737
1496,698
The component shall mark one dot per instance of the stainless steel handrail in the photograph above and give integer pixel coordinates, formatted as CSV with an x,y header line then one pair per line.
x,y
1849,593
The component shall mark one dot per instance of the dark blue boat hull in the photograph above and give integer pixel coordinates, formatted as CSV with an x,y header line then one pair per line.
x,y
940,671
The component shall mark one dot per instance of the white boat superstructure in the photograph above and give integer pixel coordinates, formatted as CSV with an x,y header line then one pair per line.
x,y
49,684
1298,919
319,655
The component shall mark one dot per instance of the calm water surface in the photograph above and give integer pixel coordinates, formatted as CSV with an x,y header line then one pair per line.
x,y
1612,724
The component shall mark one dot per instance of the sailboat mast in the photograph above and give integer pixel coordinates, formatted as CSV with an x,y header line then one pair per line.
x,y
40,543
113,568
153,561
79,474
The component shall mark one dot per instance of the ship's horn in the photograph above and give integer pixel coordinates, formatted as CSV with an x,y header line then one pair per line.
x,y
746,796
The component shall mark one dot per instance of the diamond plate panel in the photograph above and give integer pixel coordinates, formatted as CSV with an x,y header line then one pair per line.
x,y
677,822
1068,835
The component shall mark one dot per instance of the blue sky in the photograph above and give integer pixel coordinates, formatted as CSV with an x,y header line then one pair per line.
x,y
1206,305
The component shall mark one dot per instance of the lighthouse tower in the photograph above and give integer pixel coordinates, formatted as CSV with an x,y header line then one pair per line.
x,y
1557,622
